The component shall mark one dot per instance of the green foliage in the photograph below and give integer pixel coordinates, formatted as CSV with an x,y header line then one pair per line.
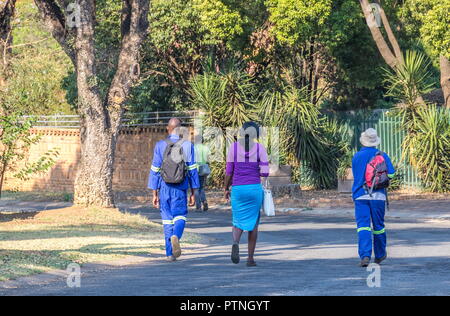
x,y
230,22
345,162
172,54
429,20
36,67
227,98
222,22
309,140
217,176
15,141
428,147
296,21
409,81
43,164
435,30
398,180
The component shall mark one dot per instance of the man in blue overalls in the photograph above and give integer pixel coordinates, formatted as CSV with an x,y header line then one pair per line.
x,y
369,207
171,199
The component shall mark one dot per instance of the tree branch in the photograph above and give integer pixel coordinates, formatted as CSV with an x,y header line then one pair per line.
x,y
55,21
134,29
392,39
383,47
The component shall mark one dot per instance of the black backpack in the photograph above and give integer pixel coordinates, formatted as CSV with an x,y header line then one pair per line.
x,y
173,169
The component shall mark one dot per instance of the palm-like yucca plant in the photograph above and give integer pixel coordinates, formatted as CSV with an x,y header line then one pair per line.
x,y
407,83
307,138
410,80
427,142
429,148
226,99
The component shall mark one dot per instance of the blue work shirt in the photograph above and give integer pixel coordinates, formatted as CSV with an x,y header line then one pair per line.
x,y
359,164
191,180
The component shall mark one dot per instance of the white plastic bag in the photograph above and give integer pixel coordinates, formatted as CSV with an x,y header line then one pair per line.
x,y
268,205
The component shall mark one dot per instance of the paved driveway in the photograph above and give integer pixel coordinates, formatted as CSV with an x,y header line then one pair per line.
x,y
302,254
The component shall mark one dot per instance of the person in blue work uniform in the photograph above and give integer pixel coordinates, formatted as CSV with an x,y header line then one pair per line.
x,y
171,199
369,207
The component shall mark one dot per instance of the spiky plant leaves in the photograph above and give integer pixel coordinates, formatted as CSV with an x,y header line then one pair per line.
x,y
429,148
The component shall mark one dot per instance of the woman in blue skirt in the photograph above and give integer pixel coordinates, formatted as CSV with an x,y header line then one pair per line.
x,y
247,162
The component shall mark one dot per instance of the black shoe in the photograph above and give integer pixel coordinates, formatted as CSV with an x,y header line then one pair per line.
x,y
365,262
380,260
235,253
205,207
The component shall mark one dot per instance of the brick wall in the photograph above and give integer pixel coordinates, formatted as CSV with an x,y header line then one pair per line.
x,y
132,165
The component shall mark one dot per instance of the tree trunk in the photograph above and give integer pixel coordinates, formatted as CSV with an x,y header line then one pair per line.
x,y
2,176
93,183
7,9
445,79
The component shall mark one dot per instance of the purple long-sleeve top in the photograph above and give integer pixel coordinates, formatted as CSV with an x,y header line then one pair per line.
x,y
247,167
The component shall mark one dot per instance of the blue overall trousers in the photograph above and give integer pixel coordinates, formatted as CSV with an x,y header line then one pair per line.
x,y
174,209
369,212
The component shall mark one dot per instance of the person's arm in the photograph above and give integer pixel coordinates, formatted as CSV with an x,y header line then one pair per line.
x,y
193,178
155,200
263,162
154,182
390,166
229,172
208,154
228,180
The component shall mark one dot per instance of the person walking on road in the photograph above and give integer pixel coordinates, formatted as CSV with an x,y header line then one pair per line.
x,y
173,170
202,154
372,170
247,162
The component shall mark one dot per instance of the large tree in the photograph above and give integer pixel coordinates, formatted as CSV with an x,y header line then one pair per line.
x,y
73,25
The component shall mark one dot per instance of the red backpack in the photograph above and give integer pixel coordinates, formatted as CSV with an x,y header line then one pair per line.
x,y
376,174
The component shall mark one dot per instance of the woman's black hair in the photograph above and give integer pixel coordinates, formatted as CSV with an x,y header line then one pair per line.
x,y
245,126
251,124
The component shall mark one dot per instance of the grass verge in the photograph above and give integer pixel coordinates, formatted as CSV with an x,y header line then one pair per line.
x,y
38,242
37,196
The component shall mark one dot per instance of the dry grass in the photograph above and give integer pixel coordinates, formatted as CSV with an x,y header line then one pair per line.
x,y
37,196
39,242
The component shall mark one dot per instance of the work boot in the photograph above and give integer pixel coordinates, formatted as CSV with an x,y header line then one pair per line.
x,y
365,262
380,260
171,258
176,249
205,207
235,253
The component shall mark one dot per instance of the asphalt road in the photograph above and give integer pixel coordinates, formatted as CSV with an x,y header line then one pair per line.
x,y
302,254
